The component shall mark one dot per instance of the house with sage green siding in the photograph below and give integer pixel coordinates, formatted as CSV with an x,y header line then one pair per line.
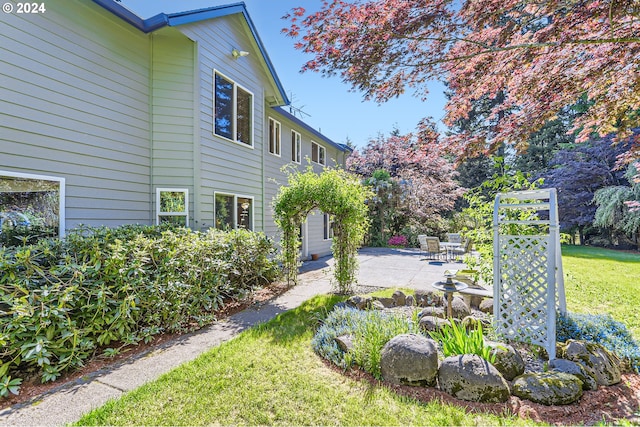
x,y
109,119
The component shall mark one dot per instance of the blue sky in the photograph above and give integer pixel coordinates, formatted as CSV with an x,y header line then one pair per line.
x,y
331,108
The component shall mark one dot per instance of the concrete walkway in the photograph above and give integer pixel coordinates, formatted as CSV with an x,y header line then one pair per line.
x,y
379,268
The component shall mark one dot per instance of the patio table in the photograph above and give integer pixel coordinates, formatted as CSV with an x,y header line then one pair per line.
x,y
450,247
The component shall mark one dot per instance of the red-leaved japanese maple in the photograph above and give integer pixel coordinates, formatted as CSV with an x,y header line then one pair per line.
x,y
543,55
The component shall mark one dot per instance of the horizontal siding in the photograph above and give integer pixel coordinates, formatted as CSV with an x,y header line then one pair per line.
x,y
274,178
315,235
74,103
173,113
226,166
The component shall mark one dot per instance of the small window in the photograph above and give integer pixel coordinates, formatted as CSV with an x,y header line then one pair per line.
x,y
172,206
328,227
233,211
224,212
233,111
32,201
296,146
244,216
274,137
318,154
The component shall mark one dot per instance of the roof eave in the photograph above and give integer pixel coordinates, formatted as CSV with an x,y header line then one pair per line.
x,y
181,18
285,113
145,25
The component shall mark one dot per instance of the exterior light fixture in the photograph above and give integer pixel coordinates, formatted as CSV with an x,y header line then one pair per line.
x,y
238,53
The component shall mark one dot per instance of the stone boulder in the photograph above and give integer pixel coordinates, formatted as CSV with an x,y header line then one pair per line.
x,y
573,368
486,306
359,302
472,322
378,305
432,323
345,342
410,359
386,302
508,360
470,377
599,362
426,298
433,311
548,388
399,298
410,301
459,309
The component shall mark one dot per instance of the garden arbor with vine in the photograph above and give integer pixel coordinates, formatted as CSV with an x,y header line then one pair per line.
x,y
337,193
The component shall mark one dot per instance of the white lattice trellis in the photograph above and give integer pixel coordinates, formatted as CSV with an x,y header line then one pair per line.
x,y
528,279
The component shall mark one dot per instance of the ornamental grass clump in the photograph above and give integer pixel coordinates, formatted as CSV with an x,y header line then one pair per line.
x,y
456,340
370,330
601,329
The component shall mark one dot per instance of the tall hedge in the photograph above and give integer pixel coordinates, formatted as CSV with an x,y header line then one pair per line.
x,y
100,289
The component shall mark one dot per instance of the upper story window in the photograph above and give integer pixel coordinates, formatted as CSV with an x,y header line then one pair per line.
x,y
233,111
172,205
33,202
296,146
274,137
318,154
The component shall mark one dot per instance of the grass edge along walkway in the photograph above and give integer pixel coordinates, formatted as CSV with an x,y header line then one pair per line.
x,y
268,375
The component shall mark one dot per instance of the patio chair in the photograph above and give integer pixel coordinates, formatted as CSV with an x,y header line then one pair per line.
x,y
454,238
466,247
431,247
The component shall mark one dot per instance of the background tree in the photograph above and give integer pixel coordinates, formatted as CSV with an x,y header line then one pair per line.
x,y
577,172
420,186
542,55
614,215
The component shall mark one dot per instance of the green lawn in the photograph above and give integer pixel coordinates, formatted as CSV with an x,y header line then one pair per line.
x,y
269,374
603,281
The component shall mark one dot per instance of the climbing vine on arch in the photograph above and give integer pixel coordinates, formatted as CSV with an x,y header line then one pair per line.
x,y
337,193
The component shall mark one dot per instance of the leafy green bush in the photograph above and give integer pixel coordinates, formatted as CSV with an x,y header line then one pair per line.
x,y
456,340
25,235
370,331
62,300
601,329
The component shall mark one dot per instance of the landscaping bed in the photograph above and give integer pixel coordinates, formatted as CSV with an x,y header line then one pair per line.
x,y
363,358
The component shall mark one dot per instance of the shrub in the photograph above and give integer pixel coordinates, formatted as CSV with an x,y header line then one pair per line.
x,y
25,235
398,241
601,329
370,331
62,300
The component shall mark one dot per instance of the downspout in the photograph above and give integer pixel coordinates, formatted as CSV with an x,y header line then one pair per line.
x,y
262,174
197,143
151,135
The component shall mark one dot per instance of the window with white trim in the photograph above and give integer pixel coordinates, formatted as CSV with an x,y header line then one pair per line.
x,y
32,201
172,206
274,137
233,211
296,146
318,154
233,111
328,226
